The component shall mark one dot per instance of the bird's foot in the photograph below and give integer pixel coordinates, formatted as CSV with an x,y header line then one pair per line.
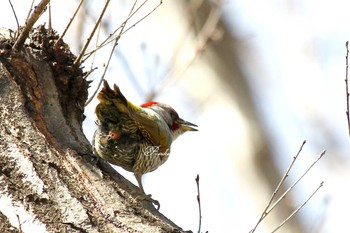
x,y
92,158
144,197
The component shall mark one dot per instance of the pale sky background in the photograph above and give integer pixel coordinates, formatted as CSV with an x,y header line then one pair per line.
x,y
296,64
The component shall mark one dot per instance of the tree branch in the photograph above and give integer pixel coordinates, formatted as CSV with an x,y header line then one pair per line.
x,y
347,85
39,9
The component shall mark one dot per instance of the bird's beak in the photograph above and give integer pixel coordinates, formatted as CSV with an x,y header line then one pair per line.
x,y
187,126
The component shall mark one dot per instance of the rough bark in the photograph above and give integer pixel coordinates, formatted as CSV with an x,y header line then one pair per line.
x,y
48,181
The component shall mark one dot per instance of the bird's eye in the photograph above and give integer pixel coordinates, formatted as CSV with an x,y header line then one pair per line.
x,y
174,115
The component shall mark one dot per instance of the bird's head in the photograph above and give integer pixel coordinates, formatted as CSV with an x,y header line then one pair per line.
x,y
176,124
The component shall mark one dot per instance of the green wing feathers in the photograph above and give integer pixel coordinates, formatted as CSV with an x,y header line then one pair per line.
x,y
150,128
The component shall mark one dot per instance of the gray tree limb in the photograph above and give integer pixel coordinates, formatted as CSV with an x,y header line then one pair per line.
x,y
47,180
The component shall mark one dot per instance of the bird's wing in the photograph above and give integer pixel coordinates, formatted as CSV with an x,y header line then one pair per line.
x,y
148,123
150,126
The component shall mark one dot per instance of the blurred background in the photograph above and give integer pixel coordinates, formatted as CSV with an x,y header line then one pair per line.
x,y
257,77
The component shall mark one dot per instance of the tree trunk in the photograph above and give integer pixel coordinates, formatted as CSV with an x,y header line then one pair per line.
x,y
48,179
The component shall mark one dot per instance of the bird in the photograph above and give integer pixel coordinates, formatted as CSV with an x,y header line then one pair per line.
x,y
136,138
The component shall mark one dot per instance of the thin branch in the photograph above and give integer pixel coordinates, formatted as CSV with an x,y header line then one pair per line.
x,y
133,7
110,38
121,28
19,223
92,69
295,183
137,22
113,48
299,208
14,13
347,85
70,22
107,41
38,10
82,52
30,10
104,72
94,56
50,19
268,208
265,212
199,204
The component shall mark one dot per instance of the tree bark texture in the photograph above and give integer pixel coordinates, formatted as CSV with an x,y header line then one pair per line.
x,y
48,179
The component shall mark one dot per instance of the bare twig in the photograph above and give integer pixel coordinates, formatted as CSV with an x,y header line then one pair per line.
x,y
270,207
105,70
82,52
295,183
92,68
347,85
50,18
121,28
19,223
70,22
138,21
30,10
38,10
265,212
110,38
297,209
103,75
14,13
121,32
199,204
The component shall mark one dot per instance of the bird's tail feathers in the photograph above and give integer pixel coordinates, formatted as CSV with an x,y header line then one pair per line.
x,y
108,94
115,97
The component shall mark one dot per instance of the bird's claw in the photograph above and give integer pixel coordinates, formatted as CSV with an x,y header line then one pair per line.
x,y
144,197
92,158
